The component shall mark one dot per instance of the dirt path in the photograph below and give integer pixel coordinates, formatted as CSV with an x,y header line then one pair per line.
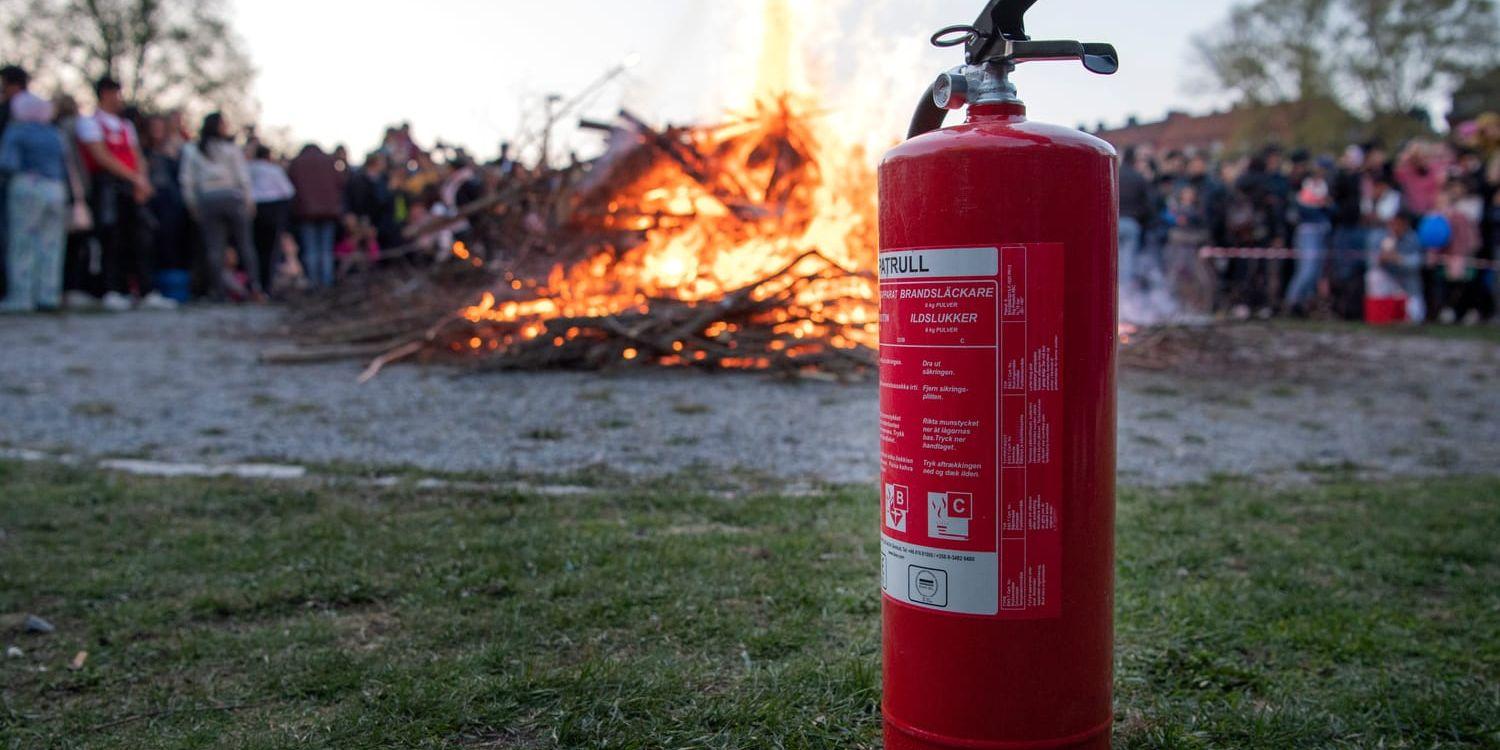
x,y
187,387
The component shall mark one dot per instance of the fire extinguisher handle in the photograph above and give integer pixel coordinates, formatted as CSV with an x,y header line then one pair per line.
x,y
1097,57
993,45
928,117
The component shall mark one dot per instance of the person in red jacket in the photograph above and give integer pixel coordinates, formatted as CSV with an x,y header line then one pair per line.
x,y
112,154
317,207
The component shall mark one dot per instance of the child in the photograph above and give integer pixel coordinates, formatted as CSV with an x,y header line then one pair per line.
x,y
1397,251
1314,222
359,247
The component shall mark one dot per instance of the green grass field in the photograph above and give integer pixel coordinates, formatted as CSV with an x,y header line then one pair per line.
x,y
258,615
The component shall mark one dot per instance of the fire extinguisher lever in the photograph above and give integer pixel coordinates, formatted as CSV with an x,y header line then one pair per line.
x,y
993,45
1096,57
999,36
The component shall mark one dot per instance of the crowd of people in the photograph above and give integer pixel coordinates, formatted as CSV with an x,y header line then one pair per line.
x,y
120,209
1301,233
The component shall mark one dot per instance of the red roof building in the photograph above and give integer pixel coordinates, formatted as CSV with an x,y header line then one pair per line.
x,y
1215,132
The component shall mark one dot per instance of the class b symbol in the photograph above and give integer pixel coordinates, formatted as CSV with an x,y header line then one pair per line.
x,y
949,514
897,506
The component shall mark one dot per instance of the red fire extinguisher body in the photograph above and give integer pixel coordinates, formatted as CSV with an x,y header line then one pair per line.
x,y
998,337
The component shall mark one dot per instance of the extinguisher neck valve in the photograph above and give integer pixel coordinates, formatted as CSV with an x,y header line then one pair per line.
x,y
974,84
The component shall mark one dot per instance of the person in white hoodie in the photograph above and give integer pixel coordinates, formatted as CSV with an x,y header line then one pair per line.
x,y
216,188
273,193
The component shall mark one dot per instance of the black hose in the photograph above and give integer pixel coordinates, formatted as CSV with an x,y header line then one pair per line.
x,y
928,117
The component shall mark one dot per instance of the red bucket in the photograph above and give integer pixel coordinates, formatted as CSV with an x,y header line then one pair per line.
x,y
1384,311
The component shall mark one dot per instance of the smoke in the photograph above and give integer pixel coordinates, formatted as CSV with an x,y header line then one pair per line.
x,y
1146,298
1164,282
863,64
879,68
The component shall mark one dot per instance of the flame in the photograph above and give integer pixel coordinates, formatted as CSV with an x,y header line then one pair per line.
x,y
779,192
697,249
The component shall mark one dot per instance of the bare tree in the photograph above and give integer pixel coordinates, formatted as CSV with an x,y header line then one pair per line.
x,y
1398,52
1380,59
165,53
1269,51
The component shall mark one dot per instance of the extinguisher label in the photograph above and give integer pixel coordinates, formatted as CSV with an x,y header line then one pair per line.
x,y
970,405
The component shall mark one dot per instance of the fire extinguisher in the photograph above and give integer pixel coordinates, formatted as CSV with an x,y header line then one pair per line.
x,y
997,410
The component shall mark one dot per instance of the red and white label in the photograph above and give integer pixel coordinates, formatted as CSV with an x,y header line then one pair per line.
x,y
970,404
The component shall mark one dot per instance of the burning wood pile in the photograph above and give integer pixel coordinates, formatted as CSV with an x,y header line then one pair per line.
x,y
745,245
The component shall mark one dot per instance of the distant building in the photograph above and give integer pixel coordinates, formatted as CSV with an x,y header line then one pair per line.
x,y
1235,129
1180,131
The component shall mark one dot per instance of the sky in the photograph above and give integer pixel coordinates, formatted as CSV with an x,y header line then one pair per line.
x,y
476,72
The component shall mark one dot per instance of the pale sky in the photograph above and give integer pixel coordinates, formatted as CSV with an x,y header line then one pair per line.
x,y
469,71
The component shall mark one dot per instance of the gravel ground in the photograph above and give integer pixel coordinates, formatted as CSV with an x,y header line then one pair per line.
x,y
187,386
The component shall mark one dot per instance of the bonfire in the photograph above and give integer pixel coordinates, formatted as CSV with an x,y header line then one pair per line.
x,y
748,244
756,240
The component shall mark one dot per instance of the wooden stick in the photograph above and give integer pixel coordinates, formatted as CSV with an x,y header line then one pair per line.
x,y
400,352
310,355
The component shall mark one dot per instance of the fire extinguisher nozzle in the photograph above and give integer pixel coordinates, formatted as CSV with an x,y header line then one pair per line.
x,y
928,117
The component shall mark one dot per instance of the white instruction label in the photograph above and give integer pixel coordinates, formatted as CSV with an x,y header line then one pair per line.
x,y
941,578
970,417
939,264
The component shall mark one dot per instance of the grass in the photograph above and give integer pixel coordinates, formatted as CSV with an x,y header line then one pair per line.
x,y
255,615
